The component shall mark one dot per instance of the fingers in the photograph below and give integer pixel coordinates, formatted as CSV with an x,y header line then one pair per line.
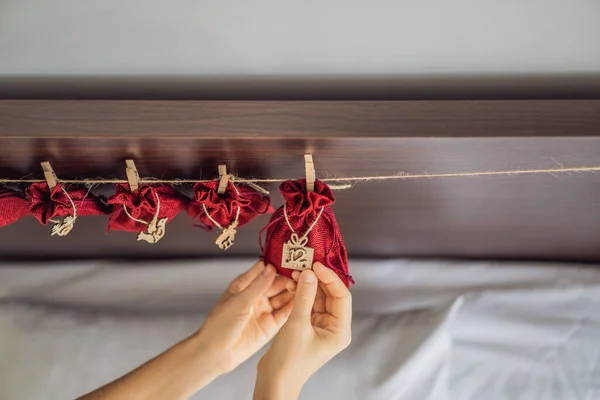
x,y
304,299
257,287
278,286
320,301
241,282
291,286
282,315
281,299
332,284
319,305
338,298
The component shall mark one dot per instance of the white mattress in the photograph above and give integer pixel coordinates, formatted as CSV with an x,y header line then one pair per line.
x,y
423,330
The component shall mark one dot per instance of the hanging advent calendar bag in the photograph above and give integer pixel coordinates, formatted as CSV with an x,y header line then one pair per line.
x,y
146,210
235,207
304,230
46,205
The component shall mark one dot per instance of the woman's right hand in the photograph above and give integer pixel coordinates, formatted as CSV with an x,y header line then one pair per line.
x,y
317,329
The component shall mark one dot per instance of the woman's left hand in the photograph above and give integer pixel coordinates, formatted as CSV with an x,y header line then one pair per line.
x,y
247,316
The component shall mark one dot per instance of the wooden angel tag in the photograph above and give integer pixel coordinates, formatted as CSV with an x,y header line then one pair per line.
x,y
155,230
296,255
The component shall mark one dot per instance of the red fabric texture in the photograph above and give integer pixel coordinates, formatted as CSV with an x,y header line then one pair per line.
x,y
13,206
46,204
302,210
223,207
142,204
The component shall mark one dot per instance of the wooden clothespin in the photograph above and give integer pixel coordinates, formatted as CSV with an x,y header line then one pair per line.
x,y
49,175
309,168
133,178
224,179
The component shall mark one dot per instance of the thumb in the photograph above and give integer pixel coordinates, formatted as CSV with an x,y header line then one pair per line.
x,y
306,291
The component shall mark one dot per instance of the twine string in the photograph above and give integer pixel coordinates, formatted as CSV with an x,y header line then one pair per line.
x,y
345,182
235,222
237,214
249,183
310,228
71,221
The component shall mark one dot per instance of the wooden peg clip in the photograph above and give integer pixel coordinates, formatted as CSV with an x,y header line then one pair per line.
x,y
133,178
309,168
224,179
49,175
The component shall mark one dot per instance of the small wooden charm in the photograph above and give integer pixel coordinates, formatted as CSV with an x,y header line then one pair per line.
x,y
296,255
155,231
225,239
62,228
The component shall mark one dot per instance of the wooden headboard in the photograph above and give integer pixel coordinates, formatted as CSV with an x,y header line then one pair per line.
x,y
537,216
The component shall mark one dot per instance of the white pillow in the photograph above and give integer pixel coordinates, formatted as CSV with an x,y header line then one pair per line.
x,y
50,353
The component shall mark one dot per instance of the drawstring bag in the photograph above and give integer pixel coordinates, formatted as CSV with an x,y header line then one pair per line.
x,y
304,230
146,211
13,206
236,207
46,205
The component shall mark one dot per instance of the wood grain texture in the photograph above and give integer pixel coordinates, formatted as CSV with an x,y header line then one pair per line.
x,y
426,86
507,217
298,119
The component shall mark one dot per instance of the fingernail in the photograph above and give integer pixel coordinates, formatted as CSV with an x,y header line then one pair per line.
x,y
296,275
268,270
307,277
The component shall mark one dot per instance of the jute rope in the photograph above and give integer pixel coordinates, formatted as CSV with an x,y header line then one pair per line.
x,y
310,228
72,205
235,222
345,182
68,222
237,214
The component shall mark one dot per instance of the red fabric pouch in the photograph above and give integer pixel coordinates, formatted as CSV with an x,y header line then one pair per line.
x,y
134,212
302,209
209,208
46,204
13,206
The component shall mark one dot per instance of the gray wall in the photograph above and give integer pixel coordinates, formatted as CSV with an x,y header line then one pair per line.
x,y
302,37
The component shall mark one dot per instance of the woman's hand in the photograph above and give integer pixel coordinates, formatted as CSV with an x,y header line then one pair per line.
x,y
246,317
317,329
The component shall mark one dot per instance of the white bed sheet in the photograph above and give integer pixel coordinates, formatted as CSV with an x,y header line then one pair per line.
x,y
519,331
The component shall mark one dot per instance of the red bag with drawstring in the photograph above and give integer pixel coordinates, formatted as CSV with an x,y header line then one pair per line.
x,y
13,206
302,209
143,204
46,204
223,208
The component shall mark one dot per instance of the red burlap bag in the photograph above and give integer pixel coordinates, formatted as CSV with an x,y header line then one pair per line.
x,y
236,207
223,208
46,204
143,205
13,206
302,209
